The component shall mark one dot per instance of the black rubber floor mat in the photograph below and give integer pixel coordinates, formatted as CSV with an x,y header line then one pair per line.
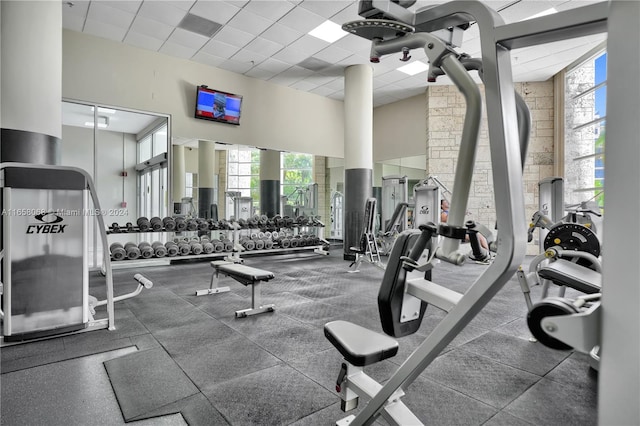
x,y
147,381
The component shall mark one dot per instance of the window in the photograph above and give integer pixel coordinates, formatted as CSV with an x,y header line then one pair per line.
x,y
585,120
243,176
295,174
191,185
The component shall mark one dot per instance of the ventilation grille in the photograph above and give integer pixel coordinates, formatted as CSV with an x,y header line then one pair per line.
x,y
199,25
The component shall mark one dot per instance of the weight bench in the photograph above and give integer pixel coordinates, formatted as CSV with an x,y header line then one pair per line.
x,y
245,275
565,273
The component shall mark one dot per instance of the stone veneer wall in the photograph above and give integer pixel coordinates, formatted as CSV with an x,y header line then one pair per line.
x,y
445,117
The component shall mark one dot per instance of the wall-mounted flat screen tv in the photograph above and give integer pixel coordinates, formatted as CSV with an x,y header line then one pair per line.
x,y
218,106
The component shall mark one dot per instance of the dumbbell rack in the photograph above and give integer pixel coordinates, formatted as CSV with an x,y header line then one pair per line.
x,y
293,231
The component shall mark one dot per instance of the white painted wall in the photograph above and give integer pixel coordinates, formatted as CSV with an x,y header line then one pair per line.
x,y
110,73
400,128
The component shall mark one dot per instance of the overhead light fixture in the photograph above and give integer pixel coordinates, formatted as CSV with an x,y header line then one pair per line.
x,y
104,110
415,67
103,122
546,12
328,31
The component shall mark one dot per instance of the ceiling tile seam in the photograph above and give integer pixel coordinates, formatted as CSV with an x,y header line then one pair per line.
x,y
135,15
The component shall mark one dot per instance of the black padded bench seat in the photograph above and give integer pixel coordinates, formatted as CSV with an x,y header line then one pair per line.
x,y
358,345
245,275
581,278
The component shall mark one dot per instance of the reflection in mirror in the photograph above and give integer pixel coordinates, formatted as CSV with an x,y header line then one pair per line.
x,y
125,152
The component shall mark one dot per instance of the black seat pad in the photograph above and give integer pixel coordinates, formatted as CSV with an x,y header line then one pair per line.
x,y
244,274
581,278
358,345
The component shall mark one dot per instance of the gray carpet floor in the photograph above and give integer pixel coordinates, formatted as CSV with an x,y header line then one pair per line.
x,y
180,359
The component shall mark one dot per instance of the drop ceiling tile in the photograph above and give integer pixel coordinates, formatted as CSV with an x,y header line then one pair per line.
x,y
248,57
79,8
144,41
216,11
348,14
281,34
181,4
234,66
303,85
207,59
273,65
308,44
323,91
162,12
151,28
175,49
249,22
264,46
73,22
130,6
325,8
220,49
291,55
354,44
233,36
187,39
269,9
338,96
302,20
103,30
110,15
332,54
260,73
337,84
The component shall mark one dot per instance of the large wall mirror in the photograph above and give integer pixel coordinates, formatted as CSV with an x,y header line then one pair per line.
x,y
126,152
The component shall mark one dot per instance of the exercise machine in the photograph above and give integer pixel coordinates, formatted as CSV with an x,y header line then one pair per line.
x,y
394,193
368,249
45,272
337,215
392,28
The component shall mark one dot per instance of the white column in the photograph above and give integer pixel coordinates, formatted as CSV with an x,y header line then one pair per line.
x,y
619,378
206,177
31,87
178,183
358,151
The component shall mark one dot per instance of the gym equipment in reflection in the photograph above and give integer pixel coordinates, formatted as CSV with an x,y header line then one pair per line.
x,y
303,201
337,215
368,249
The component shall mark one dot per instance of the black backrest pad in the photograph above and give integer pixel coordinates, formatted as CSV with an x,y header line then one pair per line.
x,y
392,289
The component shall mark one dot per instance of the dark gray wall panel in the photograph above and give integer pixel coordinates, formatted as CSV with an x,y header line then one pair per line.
x,y
357,188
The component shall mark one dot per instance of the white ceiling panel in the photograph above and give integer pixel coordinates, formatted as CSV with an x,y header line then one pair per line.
x,y
104,30
250,22
151,28
188,39
302,20
216,11
270,9
263,46
220,49
233,36
73,22
325,8
162,12
281,34
130,6
267,39
143,41
174,49
109,15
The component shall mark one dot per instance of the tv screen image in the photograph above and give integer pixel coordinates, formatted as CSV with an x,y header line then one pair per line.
x,y
218,106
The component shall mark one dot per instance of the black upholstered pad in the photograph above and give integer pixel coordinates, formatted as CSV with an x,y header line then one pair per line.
x,y
244,274
581,278
358,345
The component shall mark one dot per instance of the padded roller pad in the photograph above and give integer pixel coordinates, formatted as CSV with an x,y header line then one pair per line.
x,y
358,345
244,274
581,278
